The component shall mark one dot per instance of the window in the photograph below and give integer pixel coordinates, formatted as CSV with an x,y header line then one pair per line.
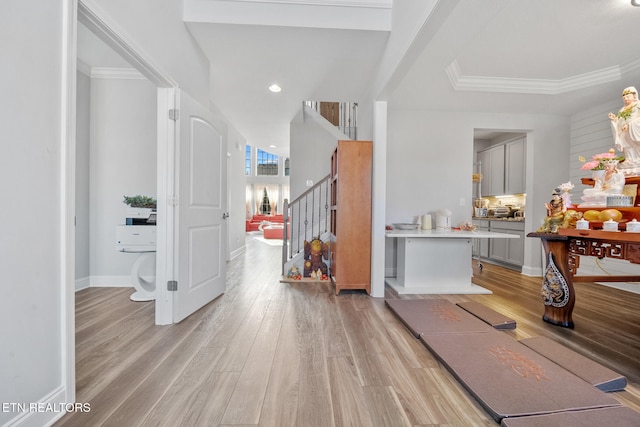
x,y
247,162
265,203
286,167
267,163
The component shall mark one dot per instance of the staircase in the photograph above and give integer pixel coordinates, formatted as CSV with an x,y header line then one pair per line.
x,y
342,115
308,216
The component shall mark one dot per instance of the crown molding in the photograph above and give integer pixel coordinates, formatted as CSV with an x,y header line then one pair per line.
x,y
388,4
108,73
370,15
537,86
116,73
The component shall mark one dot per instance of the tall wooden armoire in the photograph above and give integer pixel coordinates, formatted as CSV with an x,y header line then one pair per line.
x,y
351,168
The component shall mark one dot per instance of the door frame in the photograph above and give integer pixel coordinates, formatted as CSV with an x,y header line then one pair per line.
x,y
108,31
95,19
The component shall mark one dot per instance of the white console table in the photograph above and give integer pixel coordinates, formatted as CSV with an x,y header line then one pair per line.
x,y
436,262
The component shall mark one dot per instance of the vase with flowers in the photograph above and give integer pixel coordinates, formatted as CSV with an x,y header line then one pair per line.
x,y
598,161
608,180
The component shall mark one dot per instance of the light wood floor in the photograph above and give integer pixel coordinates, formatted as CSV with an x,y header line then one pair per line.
x,y
273,354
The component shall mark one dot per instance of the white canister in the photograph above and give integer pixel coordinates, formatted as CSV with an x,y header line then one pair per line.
x,y
443,220
633,226
610,225
583,224
426,222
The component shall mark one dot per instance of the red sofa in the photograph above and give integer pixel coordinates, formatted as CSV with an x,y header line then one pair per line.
x,y
275,231
253,224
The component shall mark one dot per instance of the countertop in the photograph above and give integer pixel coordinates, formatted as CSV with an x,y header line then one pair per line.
x,y
453,234
491,218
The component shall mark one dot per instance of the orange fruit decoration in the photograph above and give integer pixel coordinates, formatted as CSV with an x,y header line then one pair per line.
x,y
608,214
591,215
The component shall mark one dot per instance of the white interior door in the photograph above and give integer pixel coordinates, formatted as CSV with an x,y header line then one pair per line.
x,y
201,206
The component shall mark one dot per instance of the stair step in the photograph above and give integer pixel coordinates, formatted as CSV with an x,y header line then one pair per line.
x,y
285,279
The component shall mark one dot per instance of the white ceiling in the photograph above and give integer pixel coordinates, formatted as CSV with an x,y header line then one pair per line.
x,y
310,64
542,56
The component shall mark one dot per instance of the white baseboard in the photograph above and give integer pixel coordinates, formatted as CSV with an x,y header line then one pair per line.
x,y
83,283
110,281
238,252
531,271
106,282
36,414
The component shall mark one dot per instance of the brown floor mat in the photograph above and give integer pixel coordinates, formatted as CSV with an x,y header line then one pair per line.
x,y
488,315
435,316
618,417
511,380
590,371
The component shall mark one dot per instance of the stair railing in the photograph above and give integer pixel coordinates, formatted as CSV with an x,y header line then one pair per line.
x,y
344,115
305,218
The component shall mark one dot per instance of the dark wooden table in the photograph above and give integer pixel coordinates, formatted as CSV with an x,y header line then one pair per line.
x,y
563,251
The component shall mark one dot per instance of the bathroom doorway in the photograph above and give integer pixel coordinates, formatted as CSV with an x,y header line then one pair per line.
x,y
116,156
186,147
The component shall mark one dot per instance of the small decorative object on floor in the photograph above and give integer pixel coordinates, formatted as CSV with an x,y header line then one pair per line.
x,y
314,251
294,273
319,275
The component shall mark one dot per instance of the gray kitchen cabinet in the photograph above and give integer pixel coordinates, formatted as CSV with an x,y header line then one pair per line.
x,y
480,247
492,159
484,160
503,168
507,252
498,249
510,251
515,166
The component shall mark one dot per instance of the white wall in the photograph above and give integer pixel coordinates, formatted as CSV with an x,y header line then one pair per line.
x,y
158,30
123,160
236,187
311,147
31,281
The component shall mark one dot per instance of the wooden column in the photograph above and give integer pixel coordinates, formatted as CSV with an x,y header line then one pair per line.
x,y
557,290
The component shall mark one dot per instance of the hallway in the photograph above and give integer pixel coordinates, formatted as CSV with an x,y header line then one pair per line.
x,y
273,354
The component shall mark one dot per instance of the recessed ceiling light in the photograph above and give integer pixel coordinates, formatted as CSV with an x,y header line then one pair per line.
x,y
272,146
275,88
